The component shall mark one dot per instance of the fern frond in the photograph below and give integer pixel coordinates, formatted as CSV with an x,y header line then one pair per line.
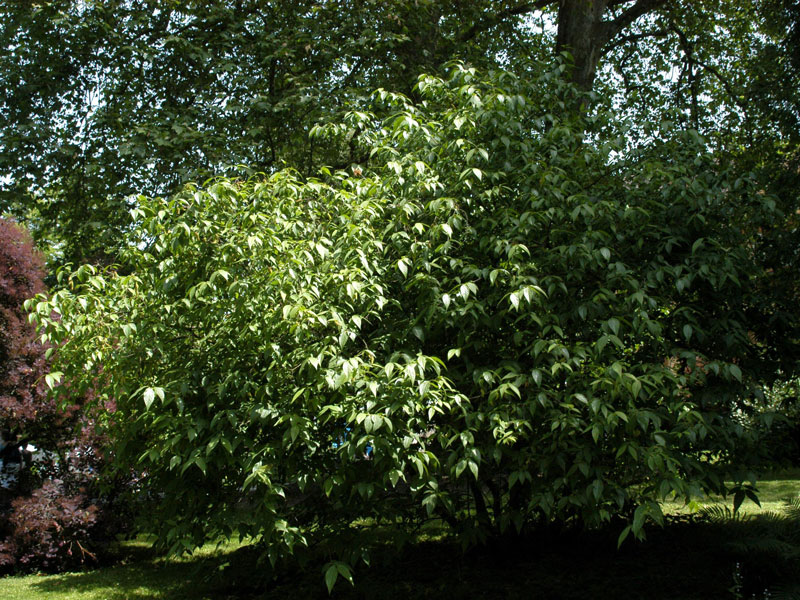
x,y
789,591
723,515
766,545
791,508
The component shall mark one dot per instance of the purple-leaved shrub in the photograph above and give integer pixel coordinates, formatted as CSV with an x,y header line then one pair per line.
x,y
54,516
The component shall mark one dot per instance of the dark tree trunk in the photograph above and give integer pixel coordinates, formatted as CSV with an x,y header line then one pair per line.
x,y
583,33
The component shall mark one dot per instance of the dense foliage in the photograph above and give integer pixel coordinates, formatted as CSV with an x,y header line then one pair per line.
x,y
49,531
49,510
556,285
23,398
105,99
113,98
500,319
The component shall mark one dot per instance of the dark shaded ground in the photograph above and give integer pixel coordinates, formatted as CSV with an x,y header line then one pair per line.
x,y
688,559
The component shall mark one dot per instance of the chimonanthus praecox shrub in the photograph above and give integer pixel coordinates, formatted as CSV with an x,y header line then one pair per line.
x,y
505,317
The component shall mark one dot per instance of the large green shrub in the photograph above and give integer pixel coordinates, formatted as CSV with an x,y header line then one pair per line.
x,y
505,318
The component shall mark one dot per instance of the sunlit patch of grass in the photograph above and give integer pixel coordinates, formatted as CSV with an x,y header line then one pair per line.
x,y
140,575
772,491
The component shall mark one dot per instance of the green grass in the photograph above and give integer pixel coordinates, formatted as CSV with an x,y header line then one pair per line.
x,y
688,559
773,490
140,576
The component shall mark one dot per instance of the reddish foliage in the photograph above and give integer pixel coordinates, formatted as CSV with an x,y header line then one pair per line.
x,y
23,398
50,530
56,526
25,407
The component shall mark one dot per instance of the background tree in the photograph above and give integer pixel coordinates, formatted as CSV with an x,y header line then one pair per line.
x,y
110,99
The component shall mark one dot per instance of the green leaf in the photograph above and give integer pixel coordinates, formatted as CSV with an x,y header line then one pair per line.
x,y
53,378
613,325
149,397
344,571
639,516
622,536
753,496
402,264
597,489
395,476
331,574
738,498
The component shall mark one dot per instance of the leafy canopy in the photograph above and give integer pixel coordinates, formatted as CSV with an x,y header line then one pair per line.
x,y
108,99
500,310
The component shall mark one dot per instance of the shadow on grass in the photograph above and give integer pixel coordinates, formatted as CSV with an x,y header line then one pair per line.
x,y
575,565
689,559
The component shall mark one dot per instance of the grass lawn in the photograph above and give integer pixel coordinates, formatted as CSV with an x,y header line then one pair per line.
x,y
139,577
772,491
686,560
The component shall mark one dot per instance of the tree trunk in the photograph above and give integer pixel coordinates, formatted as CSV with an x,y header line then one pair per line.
x,y
583,33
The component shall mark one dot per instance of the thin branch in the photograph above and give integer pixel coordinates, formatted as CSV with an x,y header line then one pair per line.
x,y
497,17
728,88
693,60
635,37
688,52
725,83
642,7
615,3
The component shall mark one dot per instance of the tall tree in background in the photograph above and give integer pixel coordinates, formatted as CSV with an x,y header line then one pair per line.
x,y
109,99
113,98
